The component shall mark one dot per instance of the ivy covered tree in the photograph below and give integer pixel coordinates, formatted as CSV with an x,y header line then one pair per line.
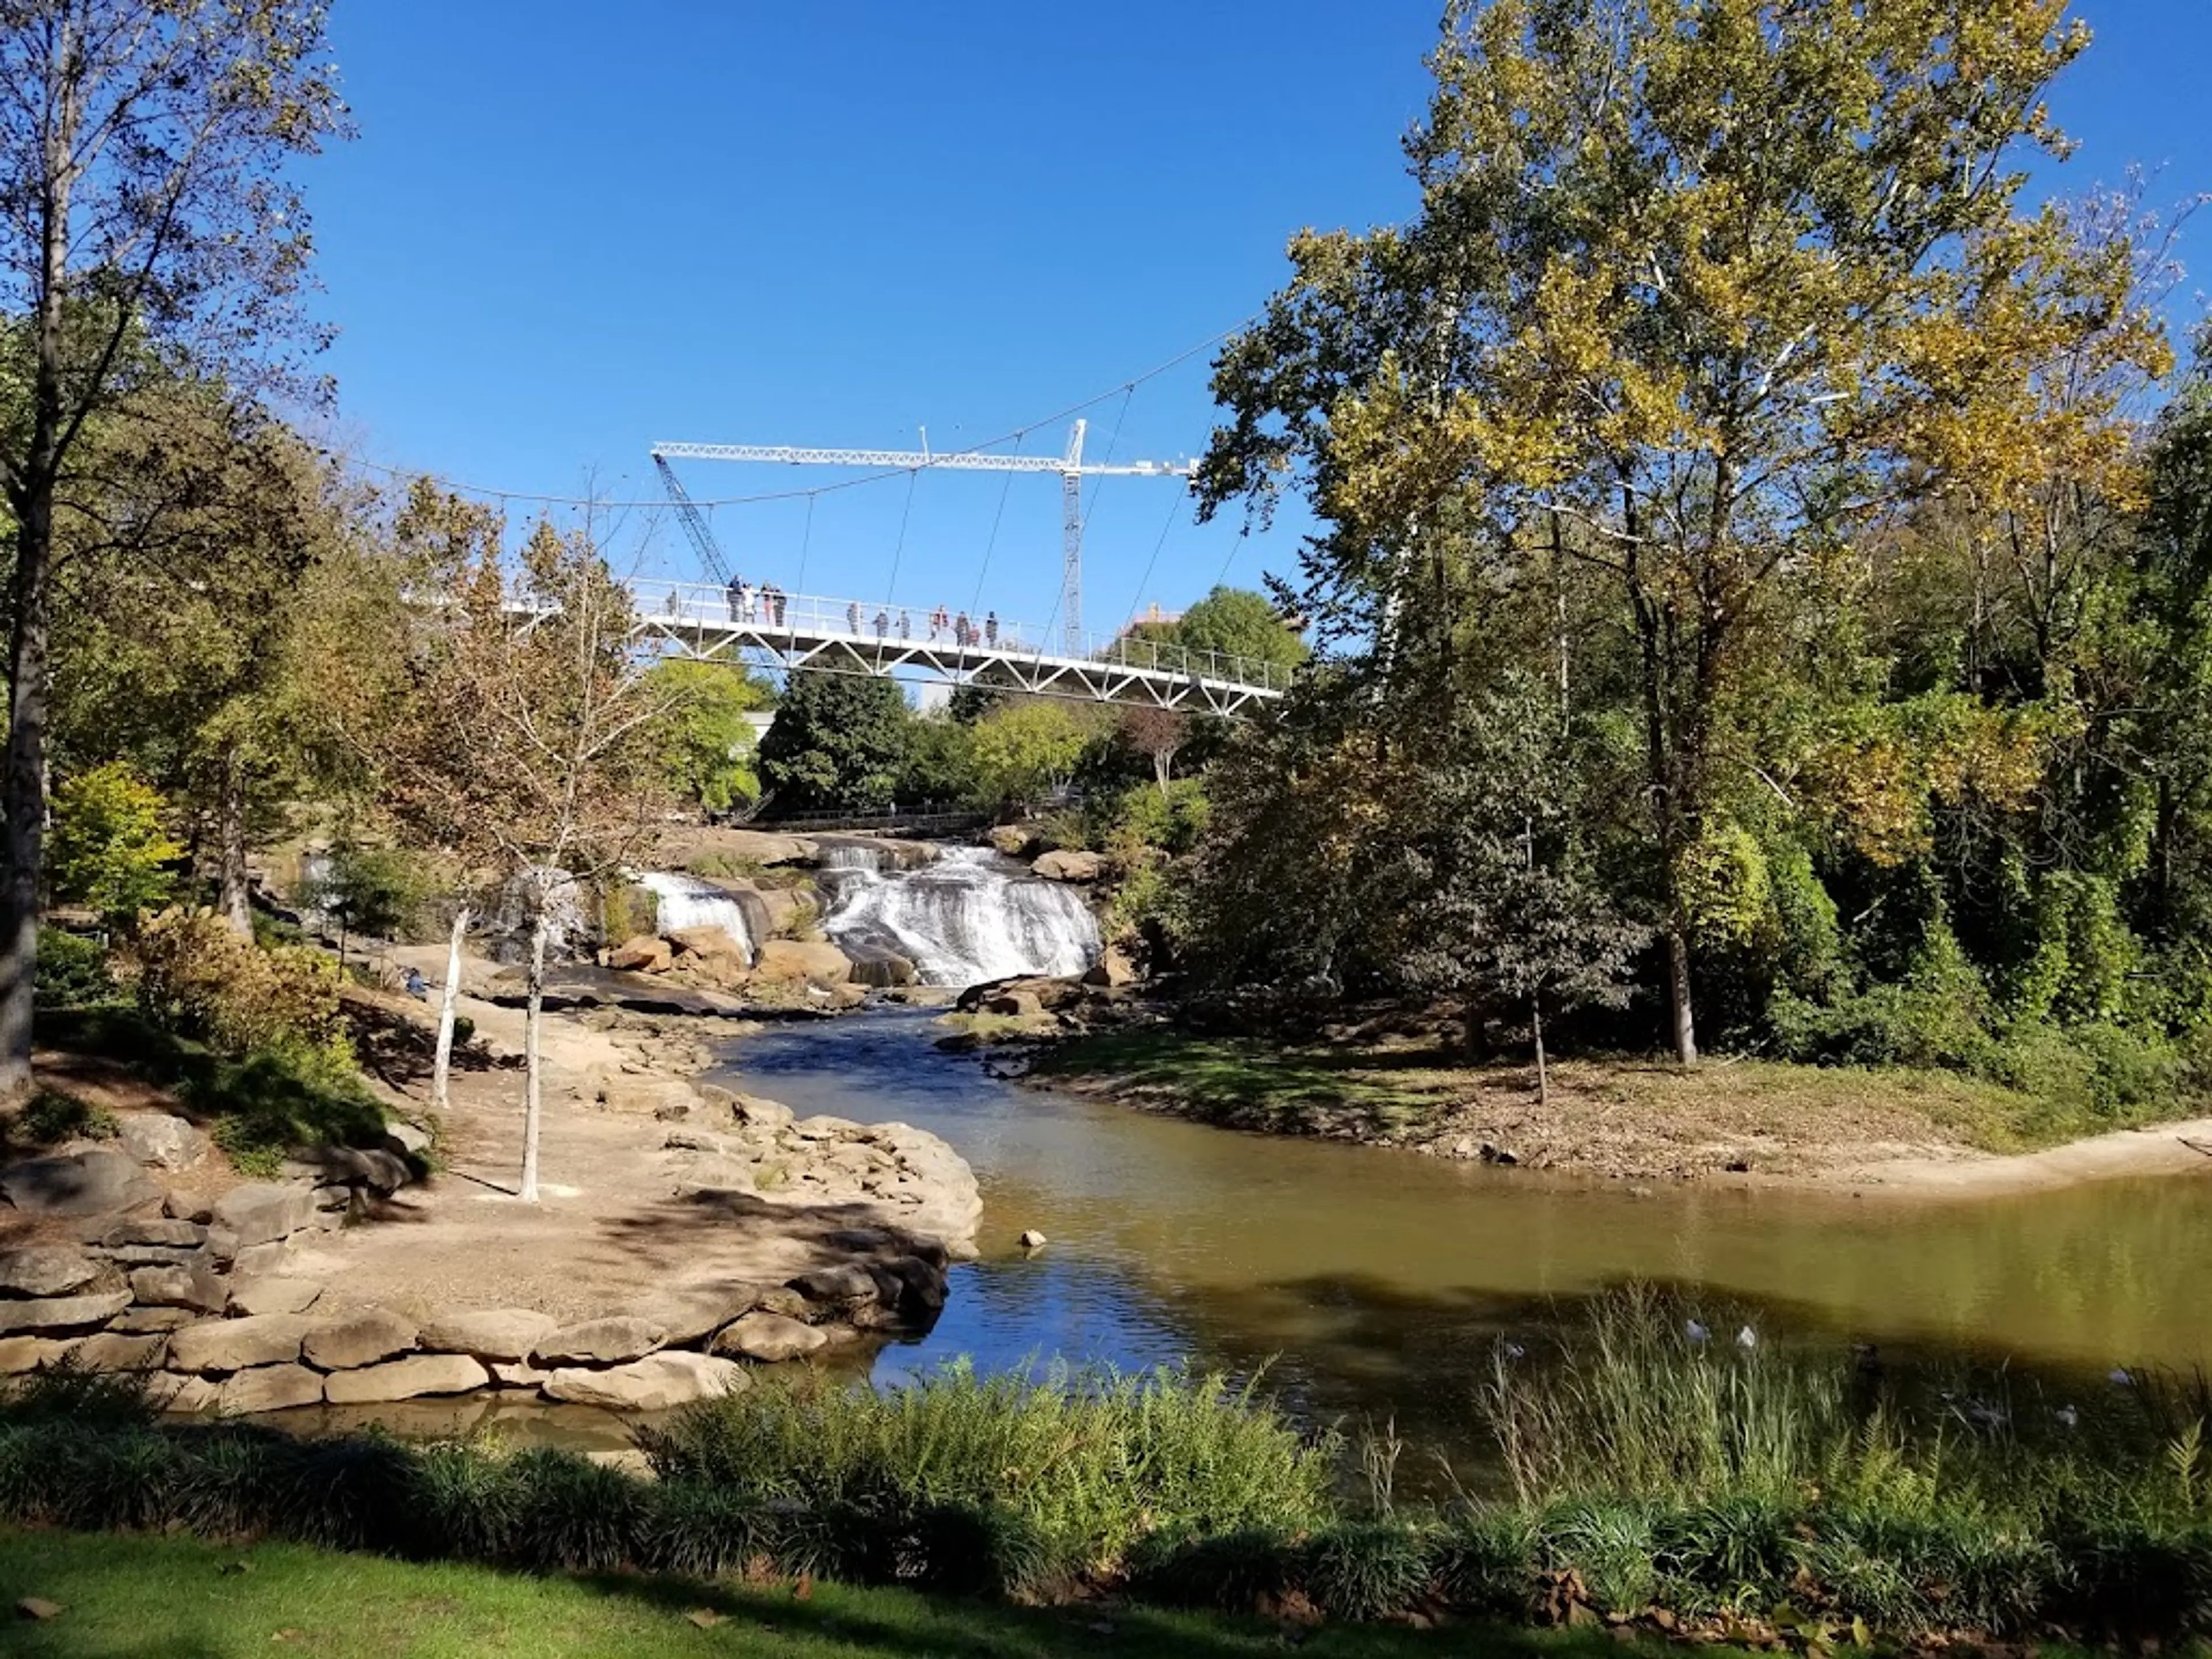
x,y
838,743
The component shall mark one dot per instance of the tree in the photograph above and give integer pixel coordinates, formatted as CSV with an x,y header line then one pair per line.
x,y
1023,750
1157,734
530,744
109,849
376,891
1234,621
838,743
146,148
707,743
1698,290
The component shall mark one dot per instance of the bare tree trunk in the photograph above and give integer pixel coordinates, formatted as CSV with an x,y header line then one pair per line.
x,y
443,1068
230,846
27,664
1537,1023
1677,992
532,1012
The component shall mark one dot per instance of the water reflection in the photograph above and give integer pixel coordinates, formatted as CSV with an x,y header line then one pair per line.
x,y
1377,1281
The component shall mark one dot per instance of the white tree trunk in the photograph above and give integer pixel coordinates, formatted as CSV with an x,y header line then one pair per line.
x,y
443,1070
532,1092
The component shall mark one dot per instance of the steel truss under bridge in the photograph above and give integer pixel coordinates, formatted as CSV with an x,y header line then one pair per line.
x,y
1071,466
845,636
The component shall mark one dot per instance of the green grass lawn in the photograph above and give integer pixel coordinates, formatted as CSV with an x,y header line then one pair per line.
x,y
153,1598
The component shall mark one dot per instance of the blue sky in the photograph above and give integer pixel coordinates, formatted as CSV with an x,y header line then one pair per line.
x,y
568,230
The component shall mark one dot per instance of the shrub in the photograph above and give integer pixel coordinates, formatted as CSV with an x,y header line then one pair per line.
x,y
276,1099
50,1117
201,980
73,970
1094,1462
106,849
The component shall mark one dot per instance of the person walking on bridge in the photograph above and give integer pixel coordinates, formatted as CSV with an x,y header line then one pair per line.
x,y
961,631
735,596
883,625
774,597
991,629
906,625
939,621
853,617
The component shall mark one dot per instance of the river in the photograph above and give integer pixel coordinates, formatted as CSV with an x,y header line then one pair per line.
x,y
1375,1283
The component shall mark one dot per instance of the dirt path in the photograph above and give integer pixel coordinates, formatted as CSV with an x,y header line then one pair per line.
x,y
2180,1148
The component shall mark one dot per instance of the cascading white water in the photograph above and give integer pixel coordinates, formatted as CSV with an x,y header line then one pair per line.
x,y
969,916
687,902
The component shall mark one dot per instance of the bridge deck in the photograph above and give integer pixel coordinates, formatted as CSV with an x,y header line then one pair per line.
x,y
848,636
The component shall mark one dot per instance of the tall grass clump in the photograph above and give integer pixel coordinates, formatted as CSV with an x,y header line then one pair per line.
x,y
1067,1472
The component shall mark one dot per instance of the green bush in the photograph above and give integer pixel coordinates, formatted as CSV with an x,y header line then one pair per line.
x,y
203,983
276,1099
106,849
73,971
50,1117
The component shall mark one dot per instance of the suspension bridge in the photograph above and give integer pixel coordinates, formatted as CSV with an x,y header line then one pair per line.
x,y
726,617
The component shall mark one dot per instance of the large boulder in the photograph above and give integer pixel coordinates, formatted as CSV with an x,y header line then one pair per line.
x,y
238,1344
153,1232
598,1342
643,955
847,1285
1113,969
654,1383
790,959
1068,863
161,1139
46,1314
1016,1005
268,1388
172,1393
770,1337
708,944
1016,841
503,1333
358,1340
93,1182
380,1172
885,970
1053,994
406,1379
265,1212
52,1270
266,1294
692,1314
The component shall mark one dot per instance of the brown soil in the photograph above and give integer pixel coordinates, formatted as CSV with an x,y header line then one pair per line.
x,y
1747,1122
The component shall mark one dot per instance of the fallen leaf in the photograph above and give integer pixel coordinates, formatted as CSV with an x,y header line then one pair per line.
x,y
37,1606
705,1617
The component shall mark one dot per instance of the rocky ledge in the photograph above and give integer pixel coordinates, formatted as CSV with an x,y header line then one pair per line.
x,y
108,1270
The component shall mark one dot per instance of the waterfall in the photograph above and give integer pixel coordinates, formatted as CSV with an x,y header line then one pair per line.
x,y
969,916
687,902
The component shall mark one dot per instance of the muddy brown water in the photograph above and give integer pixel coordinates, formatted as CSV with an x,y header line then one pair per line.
x,y
1375,1284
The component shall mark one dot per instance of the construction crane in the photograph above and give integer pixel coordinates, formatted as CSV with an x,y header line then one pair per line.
x,y
693,522
1070,465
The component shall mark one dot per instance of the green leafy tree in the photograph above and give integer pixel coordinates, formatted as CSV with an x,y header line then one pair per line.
x,y
109,850
147,158
375,890
708,745
1023,750
839,744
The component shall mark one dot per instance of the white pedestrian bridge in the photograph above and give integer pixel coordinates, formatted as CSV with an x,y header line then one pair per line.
x,y
856,636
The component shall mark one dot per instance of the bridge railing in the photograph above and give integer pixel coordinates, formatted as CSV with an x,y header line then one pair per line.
x,y
708,604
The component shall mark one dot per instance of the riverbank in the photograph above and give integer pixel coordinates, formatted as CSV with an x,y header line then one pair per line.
x,y
1745,1122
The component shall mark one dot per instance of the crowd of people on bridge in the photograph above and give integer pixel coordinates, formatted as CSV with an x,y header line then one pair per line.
x,y
769,604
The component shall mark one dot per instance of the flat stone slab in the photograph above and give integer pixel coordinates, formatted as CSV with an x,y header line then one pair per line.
x,y
112,1350
657,1382
410,1378
199,1289
237,1344
48,1314
358,1340
82,1184
173,1393
264,1212
22,1355
598,1342
269,1388
266,1294
50,1270
503,1333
